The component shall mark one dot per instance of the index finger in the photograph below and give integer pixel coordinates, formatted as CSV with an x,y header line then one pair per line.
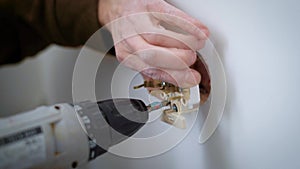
x,y
175,16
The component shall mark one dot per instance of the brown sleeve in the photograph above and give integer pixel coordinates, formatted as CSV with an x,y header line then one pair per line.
x,y
28,26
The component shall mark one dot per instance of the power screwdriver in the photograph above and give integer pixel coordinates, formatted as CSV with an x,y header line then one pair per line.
x,y
69,135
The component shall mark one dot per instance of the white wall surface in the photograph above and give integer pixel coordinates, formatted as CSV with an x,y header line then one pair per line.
x,y
42,80
259,45
20,87
258,42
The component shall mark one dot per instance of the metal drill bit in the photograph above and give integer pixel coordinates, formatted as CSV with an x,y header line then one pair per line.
x,y
157,105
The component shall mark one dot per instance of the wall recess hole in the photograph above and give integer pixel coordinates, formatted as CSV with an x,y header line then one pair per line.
x,y
204,86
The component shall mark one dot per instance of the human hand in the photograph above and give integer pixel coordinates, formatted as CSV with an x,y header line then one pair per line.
x,y
155,38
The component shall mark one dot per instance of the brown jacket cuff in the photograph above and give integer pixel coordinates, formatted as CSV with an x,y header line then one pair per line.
x,y
77,20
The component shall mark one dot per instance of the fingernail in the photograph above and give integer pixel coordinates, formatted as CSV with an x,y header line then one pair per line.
x,y
193,58
205,33
191,79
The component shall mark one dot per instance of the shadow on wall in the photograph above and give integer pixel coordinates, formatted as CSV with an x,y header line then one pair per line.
x,y
217,148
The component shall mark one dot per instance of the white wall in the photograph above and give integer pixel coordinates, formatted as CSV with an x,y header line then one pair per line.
x,y
20,87
42,80
258,42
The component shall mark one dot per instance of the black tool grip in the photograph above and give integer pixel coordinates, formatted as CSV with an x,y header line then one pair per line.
x,y
126,116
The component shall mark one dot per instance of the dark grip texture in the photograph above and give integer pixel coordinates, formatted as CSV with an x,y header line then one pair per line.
x,y
126,116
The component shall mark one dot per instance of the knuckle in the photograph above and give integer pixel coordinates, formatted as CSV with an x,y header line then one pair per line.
x,y
152,38
120,57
